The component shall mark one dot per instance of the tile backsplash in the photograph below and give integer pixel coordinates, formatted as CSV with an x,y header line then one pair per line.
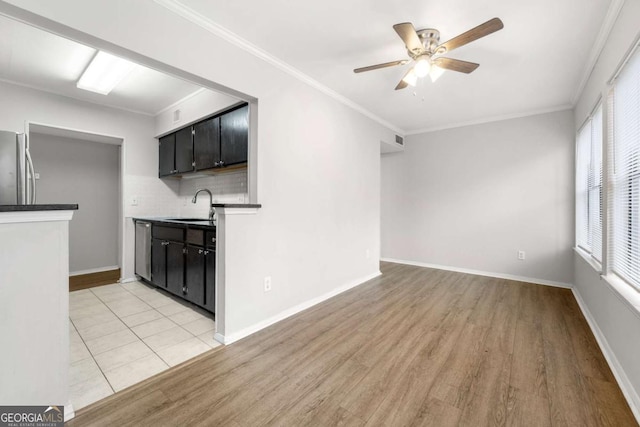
x,y
229,187
172,197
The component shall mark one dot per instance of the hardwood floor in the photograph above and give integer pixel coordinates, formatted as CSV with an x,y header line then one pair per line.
x,y
91,280
415,346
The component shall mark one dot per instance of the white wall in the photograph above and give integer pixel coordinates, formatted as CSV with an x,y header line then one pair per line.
x,y
198,105
88,174
617,322
140,167
473,196
317,162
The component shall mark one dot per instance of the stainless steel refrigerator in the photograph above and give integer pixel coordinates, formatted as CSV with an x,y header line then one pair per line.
x,y
17,177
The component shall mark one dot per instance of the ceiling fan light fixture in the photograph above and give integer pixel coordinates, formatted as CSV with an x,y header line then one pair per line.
x,y
435,73
422,67
411,78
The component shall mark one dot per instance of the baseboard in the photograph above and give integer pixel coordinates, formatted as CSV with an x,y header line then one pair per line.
x,y
618,372
482,273
91,280
220,338
93,270
69,412
233,337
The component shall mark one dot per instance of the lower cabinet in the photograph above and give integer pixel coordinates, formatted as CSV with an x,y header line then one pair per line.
x,y
210,274
195,275
159,263
185,269
175,267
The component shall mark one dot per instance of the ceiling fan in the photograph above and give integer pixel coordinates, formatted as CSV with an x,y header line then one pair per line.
x,y
425,50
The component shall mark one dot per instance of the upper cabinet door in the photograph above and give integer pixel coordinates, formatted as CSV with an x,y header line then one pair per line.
x,y
206,143
167,155
234,136
184,150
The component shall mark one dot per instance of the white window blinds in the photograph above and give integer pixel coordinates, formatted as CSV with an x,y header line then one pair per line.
x,y
595,186
589,186
626,176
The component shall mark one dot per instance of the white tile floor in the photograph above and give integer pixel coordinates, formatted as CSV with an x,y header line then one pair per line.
x,y
123,334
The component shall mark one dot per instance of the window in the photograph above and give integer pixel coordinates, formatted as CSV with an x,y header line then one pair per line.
x,y
626,173
589,186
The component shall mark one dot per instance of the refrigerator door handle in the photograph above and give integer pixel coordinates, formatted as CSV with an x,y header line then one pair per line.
x,y
32,175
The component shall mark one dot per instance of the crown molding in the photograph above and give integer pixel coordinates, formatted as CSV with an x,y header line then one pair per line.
x,y
492,119
197,18
596,50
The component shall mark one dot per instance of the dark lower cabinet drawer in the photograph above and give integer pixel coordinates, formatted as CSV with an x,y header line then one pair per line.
x,y
195,236
168,233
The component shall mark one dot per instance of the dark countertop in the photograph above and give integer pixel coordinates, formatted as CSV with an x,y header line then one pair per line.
x,y
236,205
31,208
178,222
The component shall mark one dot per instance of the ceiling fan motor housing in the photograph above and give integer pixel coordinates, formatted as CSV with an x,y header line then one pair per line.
x,y
430,39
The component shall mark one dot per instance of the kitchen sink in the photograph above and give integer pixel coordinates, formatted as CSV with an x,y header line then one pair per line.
x,y
188,219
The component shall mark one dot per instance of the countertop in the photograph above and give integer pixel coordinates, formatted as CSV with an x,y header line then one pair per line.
x,y
31,208
236,205
184,222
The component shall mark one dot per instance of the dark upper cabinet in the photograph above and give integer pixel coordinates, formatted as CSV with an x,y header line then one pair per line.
x,y
176,153
206,144
184,150
213,143
167,155
234,136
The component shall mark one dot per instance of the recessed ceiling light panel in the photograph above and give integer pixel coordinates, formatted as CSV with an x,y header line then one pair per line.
x,y
104,72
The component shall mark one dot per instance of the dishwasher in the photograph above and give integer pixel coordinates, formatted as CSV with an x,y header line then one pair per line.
x,y
143,250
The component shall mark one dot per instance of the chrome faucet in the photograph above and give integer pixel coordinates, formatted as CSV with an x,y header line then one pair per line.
x,y
211,210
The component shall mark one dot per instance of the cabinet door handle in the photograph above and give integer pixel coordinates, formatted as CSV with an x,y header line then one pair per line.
x,y
213,240
165,243
200,251
206,252
216,164
185,250
221,163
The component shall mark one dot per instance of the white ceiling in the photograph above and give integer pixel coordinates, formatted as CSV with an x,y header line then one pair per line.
x,y
535,64
38,59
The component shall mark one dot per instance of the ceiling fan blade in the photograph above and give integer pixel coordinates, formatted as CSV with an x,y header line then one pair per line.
x,y
456,65
377,66
409,36
491,26
402,83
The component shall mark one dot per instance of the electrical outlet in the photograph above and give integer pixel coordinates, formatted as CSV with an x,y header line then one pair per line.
x,y
37,175
267,284
135,200
521,255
